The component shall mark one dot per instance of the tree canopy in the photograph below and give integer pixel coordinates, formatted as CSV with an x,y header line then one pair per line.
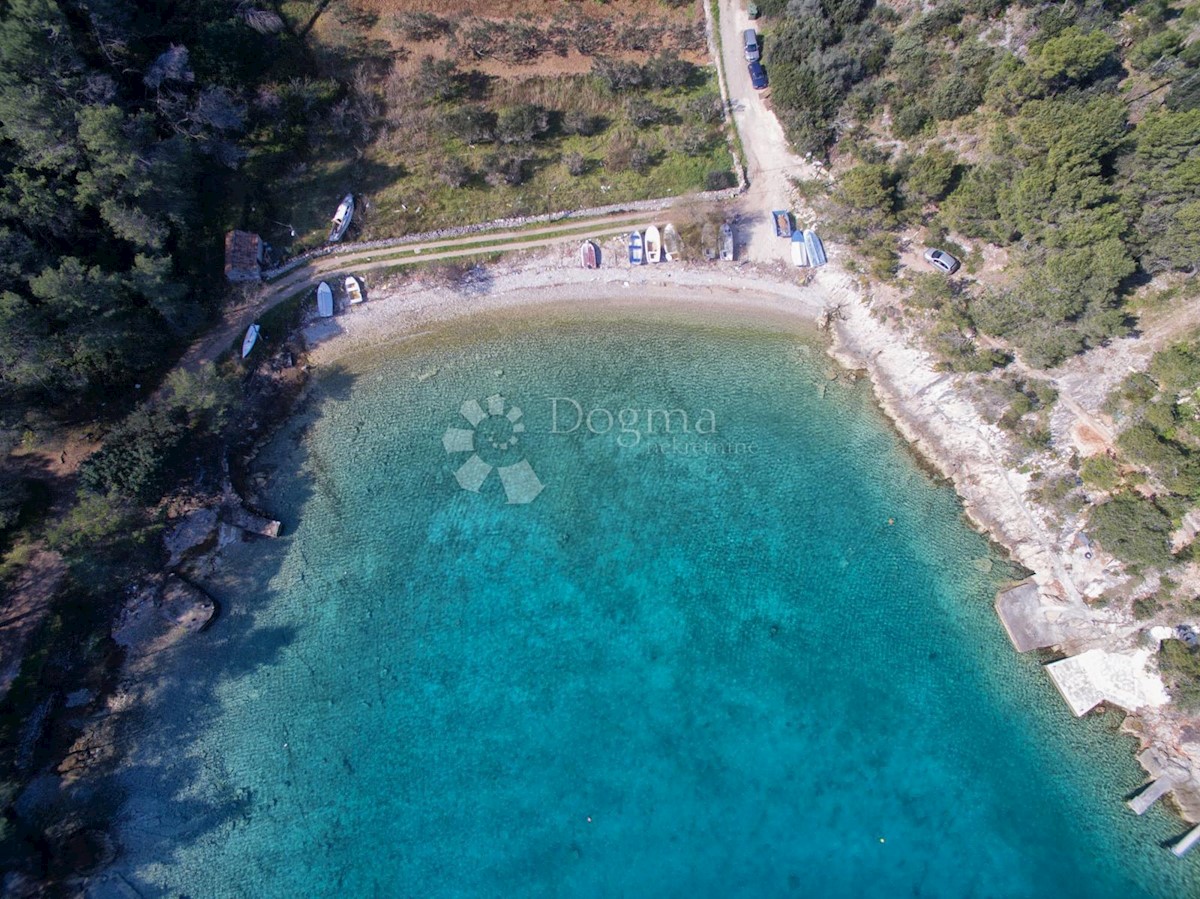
x,y
111,125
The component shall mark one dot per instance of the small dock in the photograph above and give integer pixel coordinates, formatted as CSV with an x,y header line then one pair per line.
x,y
1025,619
1184,846
241,517
1154,792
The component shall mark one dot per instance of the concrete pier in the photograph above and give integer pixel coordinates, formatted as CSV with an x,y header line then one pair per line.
x,y
1025,619
1157,789
243,518
1185,845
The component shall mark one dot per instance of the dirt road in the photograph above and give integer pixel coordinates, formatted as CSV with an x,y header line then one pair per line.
x,y
770,162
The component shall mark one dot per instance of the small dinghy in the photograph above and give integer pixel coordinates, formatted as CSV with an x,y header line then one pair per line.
x,y
816,249
324,300
799,252
783,222
653,244
341,218
672,245
588,257
635,249
249,340
727,242
353,290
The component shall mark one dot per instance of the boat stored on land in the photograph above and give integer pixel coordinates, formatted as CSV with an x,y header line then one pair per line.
x,y
816,249
341,218
799,252
727,242
324,300
636,256
672,245
249,339
353,290
783,223
653,244
588,255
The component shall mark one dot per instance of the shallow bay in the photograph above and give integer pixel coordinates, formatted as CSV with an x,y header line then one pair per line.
x,y
754,657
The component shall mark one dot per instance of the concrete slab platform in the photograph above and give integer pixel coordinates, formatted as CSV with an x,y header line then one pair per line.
x,y
1121,679
1025,618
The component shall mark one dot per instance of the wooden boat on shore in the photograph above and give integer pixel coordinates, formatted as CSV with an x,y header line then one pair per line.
x,y
653,244
353,290
672,245
341,218
816,249
799,251
636,256
783,223
249,340
324,300
589,257
727,242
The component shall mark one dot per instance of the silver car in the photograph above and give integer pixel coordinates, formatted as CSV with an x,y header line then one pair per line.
x,y
940,259
750,41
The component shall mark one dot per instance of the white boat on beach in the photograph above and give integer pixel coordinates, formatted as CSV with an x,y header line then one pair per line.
x,y
653,244
341,218
353,290
324,300
672,245
799,251
249,340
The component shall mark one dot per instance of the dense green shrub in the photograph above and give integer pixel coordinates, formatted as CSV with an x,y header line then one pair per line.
x,y
438,80
880,254
618,75
1134,529
521,124
136,455
1074,56
1101,472
666,70
644,112
927,177
1180,668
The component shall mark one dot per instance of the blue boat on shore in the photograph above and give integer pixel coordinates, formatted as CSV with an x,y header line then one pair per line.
x,y
783,222
816,249
636,256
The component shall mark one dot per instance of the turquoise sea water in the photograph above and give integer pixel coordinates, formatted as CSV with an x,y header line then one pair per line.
x,y
757,662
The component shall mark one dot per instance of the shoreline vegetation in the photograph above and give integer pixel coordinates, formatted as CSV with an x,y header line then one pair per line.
x,y
1052,148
